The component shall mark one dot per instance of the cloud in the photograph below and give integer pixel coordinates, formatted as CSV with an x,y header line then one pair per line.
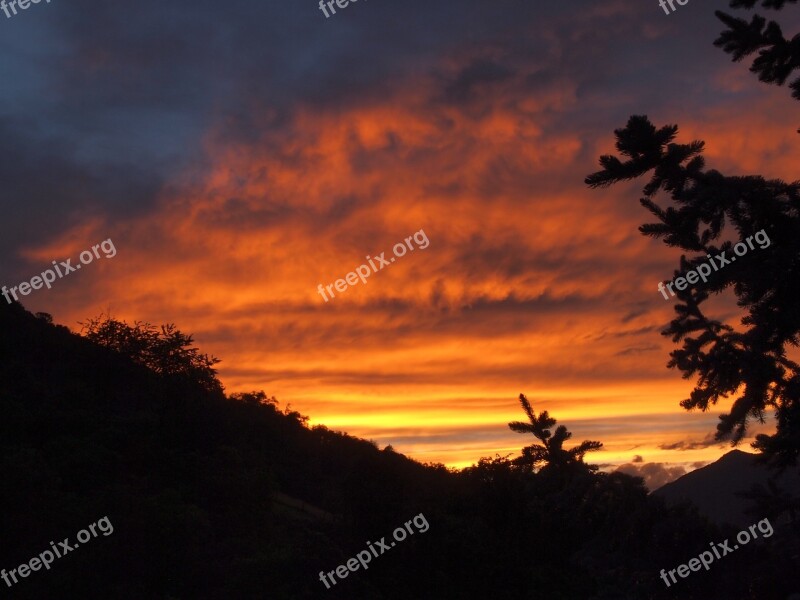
x,y
638,350
478,73
638,459
683,445
654,474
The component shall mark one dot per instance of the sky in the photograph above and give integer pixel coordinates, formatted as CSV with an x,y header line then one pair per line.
x,y
240,154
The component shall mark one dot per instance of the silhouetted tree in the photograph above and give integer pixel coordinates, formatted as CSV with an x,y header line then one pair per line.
x,y
722,358
551,451
750,203
777,56
254,398
725,359
164,350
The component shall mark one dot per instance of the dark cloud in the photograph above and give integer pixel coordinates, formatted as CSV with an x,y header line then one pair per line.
x,y
638,350
478,73
47,190
638,459
707,441
643,310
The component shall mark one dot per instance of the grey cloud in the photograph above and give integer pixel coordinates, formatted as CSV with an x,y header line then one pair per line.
x,y
637,350
56,191
478,73
707,441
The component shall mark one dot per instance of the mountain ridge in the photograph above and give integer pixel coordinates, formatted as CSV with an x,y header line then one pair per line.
x,y
714,488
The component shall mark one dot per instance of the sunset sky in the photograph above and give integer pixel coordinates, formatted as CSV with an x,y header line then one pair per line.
x,y
239,154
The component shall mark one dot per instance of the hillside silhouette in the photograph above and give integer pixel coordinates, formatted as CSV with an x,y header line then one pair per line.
x,y
716,489
214,496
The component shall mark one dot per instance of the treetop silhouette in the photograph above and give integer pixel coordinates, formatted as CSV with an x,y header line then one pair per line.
x,y
777,56
551,451
725,360
164,350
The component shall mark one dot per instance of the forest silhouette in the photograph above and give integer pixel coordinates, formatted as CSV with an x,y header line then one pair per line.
x,y
216,496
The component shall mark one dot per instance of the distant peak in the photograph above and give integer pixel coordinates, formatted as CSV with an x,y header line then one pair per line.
x,y
737,455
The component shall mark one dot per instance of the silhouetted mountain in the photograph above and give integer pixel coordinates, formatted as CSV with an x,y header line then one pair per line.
x,y
215,497
714,489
